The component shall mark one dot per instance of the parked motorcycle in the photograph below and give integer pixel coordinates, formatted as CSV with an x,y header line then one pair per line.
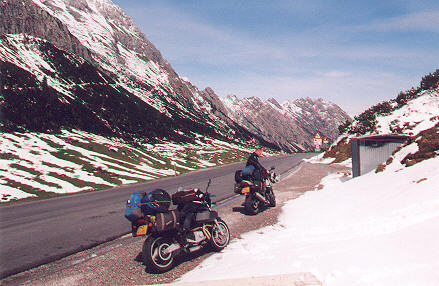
x,y
258,193
165,237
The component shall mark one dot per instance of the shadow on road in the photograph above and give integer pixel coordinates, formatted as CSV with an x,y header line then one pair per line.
x,y
139,258
244,211
240,210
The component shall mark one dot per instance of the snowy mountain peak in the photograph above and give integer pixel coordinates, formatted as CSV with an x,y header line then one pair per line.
x,y
101,26
274,102
254,100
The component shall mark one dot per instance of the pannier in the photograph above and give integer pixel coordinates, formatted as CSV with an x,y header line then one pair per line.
x,y
184,197
166,221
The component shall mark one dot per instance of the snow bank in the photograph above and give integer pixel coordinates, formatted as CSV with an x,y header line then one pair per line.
x,y
377,229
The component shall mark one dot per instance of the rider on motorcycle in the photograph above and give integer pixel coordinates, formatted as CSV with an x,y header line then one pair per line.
x,y
253,160
260,172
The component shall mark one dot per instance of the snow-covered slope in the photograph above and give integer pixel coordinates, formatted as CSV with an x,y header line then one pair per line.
x,y
117,45
291,124
417,115
376,229
43,165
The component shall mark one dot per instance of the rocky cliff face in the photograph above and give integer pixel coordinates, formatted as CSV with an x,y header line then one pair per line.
x,y
52,41
291,124
317,115
86,65
25,17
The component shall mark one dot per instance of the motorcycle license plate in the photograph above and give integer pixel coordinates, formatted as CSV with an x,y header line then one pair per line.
x,y
246,190
142,229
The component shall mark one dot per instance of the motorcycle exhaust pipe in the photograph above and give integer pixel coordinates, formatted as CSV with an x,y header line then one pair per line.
x,y
174,247
260,197
195,248
171,248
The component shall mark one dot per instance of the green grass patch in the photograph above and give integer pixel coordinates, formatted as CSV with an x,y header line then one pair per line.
x,y
49,184
22,187
12,140
67,169
20,135
77,182
114,161
8,156
26,169
52,144
71,156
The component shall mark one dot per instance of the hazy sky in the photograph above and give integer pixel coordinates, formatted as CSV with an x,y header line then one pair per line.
x,y
353,53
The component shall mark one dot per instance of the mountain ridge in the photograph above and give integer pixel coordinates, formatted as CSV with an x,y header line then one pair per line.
x,y
99,32
293,124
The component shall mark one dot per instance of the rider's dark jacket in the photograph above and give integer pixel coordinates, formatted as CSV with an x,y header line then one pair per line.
x,y
254,161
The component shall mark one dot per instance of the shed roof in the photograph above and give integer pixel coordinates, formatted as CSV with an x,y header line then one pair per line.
x,y
384,137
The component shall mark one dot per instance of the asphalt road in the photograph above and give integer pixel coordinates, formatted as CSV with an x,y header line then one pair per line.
x,y
40,232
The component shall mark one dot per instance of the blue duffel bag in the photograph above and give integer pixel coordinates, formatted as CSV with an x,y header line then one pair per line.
x,y
133,207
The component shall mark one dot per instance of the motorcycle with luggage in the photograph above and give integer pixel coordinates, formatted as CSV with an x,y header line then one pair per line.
x,y
257,188
165,236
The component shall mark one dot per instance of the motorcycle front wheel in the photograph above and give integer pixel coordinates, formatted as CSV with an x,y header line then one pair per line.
x,y
271,198
154,255
220,235
251,204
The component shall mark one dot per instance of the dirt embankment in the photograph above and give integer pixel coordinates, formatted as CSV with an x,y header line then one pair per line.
x,y
119,262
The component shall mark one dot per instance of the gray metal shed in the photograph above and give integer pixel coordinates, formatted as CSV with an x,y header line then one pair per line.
x,y
370,151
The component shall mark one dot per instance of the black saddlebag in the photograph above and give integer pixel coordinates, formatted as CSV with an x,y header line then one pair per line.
x,y
184,197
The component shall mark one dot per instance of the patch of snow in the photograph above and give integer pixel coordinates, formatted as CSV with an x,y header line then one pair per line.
x,y
418,114
8,193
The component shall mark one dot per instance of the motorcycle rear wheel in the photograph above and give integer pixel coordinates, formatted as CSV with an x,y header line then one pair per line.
x,y
220,235
251,205
154,257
